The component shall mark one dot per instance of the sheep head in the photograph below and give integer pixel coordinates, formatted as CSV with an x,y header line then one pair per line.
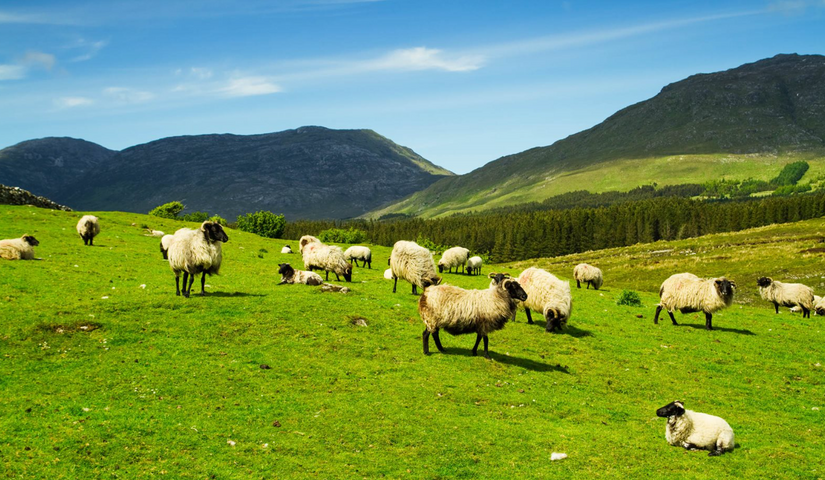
x,y
498,277
671,409
725,287
514,289
764,282
214,232
285,269
429,282
30,240
348,273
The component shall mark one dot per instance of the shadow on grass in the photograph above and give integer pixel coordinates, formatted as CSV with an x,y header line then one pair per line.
x,y
507,360
229,294
701,326
567,330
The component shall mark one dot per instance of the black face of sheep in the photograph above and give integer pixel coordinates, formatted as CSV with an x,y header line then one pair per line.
x,y
31,240
348,273
214,232
429,282
514,290
725,287
671,409
764,282
285,269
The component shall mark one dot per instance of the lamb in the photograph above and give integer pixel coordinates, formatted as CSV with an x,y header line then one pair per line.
x,y
306,240
546,294
473,266
88,228
328,258
165,242
787,295
588,273
355,253
286,249
18,248
689,293
413,263
196,251
291,276
460,311
453,257
696,431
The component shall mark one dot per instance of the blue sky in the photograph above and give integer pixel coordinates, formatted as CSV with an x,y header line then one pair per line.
x,y
460,82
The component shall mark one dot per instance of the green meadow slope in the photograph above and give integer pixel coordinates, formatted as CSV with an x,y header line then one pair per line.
x,y
106,374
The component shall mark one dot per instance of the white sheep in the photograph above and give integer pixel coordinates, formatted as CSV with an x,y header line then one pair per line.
x,y
696,431
88,227
306,240
453,257
328,258
473,266
413,263
165,242
286,249
388,274
357,252
787,294
688,293
588,273
460,311
18,248
196,251
819,305
548,295
291,276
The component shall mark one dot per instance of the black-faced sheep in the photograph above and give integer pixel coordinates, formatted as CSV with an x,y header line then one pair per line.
x,y
460,311
548,295
291,276
473,266
357,252
688,293
165,242
18,248
453,257
589,274
819,306
413,263
196,251
319,256
88,227
787,294
696,431
306,240
286,249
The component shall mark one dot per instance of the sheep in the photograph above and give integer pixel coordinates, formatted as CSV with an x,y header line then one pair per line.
x,y
453,257
588,273
696,431
388,274
413,263
18,248
787,294
286,249
817,299
326,257
88,228
355,253
196,251
819,306
165,242
292,276
688,293
460,311
473,266
306,240
548,295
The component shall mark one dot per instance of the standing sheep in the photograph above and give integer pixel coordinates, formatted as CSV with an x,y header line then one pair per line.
x,y
306,240
88,228
453,257
291,276
328,258
787,295
355,253
696,431
688,293
196,251
460,311
548,295
473,266
588,273
413,263
165,242
18,248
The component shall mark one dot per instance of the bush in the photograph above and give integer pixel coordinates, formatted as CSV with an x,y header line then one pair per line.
x,y
338,235
790,174
198,217
218,219
263,223
786,190
168,210
430,245
630,298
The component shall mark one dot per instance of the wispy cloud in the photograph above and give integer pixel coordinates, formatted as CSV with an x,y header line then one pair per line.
x,y
128,95
795,7
12,72
88,49
72,102
249,86
39,59
422,58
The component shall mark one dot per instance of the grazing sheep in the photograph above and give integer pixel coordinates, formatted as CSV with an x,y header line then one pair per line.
x,y
355,253
196,251
453,257
306,240
388,274
588,273
165,242
88,228
413,263
473,266
787,295
18,248
548,295
328,258
688,293
696,431
819,306
286,249
460,311
292,276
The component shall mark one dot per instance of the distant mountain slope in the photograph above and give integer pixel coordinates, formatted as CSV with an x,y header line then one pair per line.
x,y
767,108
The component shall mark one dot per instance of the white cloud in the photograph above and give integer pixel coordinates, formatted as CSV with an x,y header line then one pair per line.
x,y
90,49
12,72
128,95
71,102
249,86
45,60
200,73
422,58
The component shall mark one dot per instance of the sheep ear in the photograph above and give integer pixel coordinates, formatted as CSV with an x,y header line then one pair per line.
x,y
506,275
492,275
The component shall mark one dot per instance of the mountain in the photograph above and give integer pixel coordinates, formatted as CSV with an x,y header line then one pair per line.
x,y
310,172
740,123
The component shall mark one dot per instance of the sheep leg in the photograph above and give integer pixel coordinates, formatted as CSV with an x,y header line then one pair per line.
x,y
806,313
203,284
426,337
437,340
672,318
656,317
185,280
529,317
191,281
91,241
368,262
415,290
337,278
708,317
486,352
578,284
395,284
177,285
327,275
588,285
776,306
475,347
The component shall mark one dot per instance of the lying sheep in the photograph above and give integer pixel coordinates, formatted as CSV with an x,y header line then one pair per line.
x,y
196,251
165,242
88,227
291,276
18,248
688,293
787,295
304,241
588,273
548,295
355,253
413,263
319,256
473,266
286,249
460,311
696,431
453,257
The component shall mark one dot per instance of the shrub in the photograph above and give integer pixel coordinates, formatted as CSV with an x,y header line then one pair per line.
x,y
430,245
168,210
338,235
218,219
198,217
263,223
630,298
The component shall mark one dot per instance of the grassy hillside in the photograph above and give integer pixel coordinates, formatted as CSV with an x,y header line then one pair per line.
x,y
105,373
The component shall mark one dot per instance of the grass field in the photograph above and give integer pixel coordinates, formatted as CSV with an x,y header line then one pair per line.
x,y
105,373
